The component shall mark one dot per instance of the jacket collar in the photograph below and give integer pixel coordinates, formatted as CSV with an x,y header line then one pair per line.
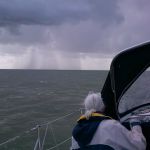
x,y
95,114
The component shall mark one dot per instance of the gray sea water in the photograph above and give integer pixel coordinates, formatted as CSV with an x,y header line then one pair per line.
x,y
34,97
31,97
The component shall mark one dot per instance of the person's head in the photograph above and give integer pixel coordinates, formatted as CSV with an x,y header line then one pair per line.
x,y
93,103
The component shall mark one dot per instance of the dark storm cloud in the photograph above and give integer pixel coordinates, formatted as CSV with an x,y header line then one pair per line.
x,y
40,22
70,33
92,37
56,12
24,35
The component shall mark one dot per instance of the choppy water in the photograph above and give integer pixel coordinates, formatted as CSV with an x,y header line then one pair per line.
x,y
28,98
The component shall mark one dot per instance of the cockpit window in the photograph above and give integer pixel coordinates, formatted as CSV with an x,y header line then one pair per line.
x,y
137,94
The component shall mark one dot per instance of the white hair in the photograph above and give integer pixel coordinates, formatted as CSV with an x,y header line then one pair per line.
x,y
93,103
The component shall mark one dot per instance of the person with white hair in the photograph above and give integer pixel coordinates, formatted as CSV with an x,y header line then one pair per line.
x,y
95,131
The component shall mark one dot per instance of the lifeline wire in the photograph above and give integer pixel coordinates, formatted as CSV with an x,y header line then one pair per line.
x,y
60,143
37,128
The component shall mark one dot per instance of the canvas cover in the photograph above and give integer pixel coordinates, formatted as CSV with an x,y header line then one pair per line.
x,y
125,68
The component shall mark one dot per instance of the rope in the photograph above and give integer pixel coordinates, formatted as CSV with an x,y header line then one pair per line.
x,y
60,143
36,144
10,140
18,136
44,137
53,135
39,141
37,127
50,122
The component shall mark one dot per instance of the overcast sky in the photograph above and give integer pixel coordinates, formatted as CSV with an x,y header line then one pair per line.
x,y
69,34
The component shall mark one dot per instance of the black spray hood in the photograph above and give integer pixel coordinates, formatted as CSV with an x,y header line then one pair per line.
x,y
125,68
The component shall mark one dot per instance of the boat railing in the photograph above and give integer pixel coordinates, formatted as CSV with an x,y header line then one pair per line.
x,y
52,135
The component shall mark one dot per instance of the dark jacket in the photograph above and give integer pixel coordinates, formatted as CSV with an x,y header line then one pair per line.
x,y
85,129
